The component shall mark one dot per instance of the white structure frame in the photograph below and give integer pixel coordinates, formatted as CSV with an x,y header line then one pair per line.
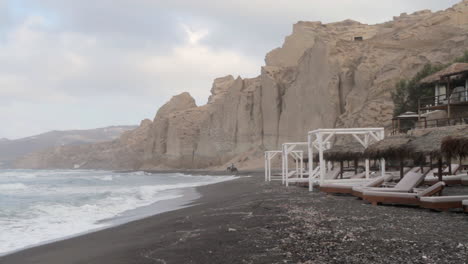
x,y
320,138
269,155
298,156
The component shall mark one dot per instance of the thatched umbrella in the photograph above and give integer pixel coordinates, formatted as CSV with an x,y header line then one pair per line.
x,y
345,152
429,144
350,151
394,147
456,146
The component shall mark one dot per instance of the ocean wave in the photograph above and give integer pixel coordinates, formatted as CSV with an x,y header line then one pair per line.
x,y
49,221
12,186
65,203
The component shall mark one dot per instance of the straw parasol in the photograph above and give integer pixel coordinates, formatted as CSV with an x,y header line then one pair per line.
x,y
394,147
344,152
455,145
391,148
429,144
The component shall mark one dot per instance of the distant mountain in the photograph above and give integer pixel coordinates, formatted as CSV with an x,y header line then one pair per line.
x,y
13,149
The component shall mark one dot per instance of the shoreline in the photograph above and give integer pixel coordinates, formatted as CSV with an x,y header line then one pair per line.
x,y
186,197
249,221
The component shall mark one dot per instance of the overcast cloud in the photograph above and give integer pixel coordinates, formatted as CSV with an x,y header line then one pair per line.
x,y
83,64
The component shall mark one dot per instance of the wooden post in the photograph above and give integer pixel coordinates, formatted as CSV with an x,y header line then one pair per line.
x,y
440,169
421,165
448,93
355,166
419,109
341,169
449,162
401,168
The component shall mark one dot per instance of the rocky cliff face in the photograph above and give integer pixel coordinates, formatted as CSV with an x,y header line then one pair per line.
x,y
320,78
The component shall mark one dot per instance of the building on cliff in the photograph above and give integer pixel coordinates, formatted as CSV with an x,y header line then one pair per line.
x,y
447,106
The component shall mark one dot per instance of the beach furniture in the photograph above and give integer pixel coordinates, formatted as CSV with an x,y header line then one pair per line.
x,y
358,176
449,180
464,180
443,203
332,174
348,188
410,181
304,179
376,197
446,171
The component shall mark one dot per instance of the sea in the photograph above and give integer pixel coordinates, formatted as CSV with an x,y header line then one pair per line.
x,y
41,206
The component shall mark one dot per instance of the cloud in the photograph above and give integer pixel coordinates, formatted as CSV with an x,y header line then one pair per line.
x,y
187,66
55,73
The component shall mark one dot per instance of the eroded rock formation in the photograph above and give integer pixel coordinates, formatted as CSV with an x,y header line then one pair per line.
x,y
323,76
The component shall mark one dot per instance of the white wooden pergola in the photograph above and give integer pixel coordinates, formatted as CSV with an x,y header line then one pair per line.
x,y
269,155
321,138
288,149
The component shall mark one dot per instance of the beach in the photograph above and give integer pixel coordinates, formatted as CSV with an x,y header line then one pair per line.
x,y
250,221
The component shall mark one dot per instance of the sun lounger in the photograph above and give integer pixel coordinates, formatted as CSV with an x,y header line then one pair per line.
x,y
446,171
332,174
410,181
443,202
376,197
464,180
348,188
358,176
449,180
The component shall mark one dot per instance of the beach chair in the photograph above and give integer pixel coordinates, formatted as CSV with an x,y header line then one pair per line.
x,y
377,197
348,188
358,176
442,203
464,179
410,181
332,174
449,180
455,168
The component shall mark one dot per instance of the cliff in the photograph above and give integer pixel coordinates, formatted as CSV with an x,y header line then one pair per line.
x,y
320,78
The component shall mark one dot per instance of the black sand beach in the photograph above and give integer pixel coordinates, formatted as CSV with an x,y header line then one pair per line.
x,y
250,221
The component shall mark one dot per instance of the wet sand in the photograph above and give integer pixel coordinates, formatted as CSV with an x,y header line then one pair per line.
x,y
250,221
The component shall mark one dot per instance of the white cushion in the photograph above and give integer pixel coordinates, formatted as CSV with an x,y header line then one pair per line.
x,y
377,189
442,199
390,194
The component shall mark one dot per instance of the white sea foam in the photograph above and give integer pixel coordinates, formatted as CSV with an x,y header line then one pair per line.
x,y
12,186
107,178
56,204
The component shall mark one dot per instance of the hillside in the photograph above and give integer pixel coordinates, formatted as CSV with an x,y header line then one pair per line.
x,y
13,149
320,78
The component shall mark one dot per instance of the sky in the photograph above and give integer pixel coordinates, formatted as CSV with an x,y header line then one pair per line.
x,y
67,64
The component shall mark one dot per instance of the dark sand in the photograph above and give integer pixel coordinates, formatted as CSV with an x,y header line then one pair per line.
x,y
249,221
